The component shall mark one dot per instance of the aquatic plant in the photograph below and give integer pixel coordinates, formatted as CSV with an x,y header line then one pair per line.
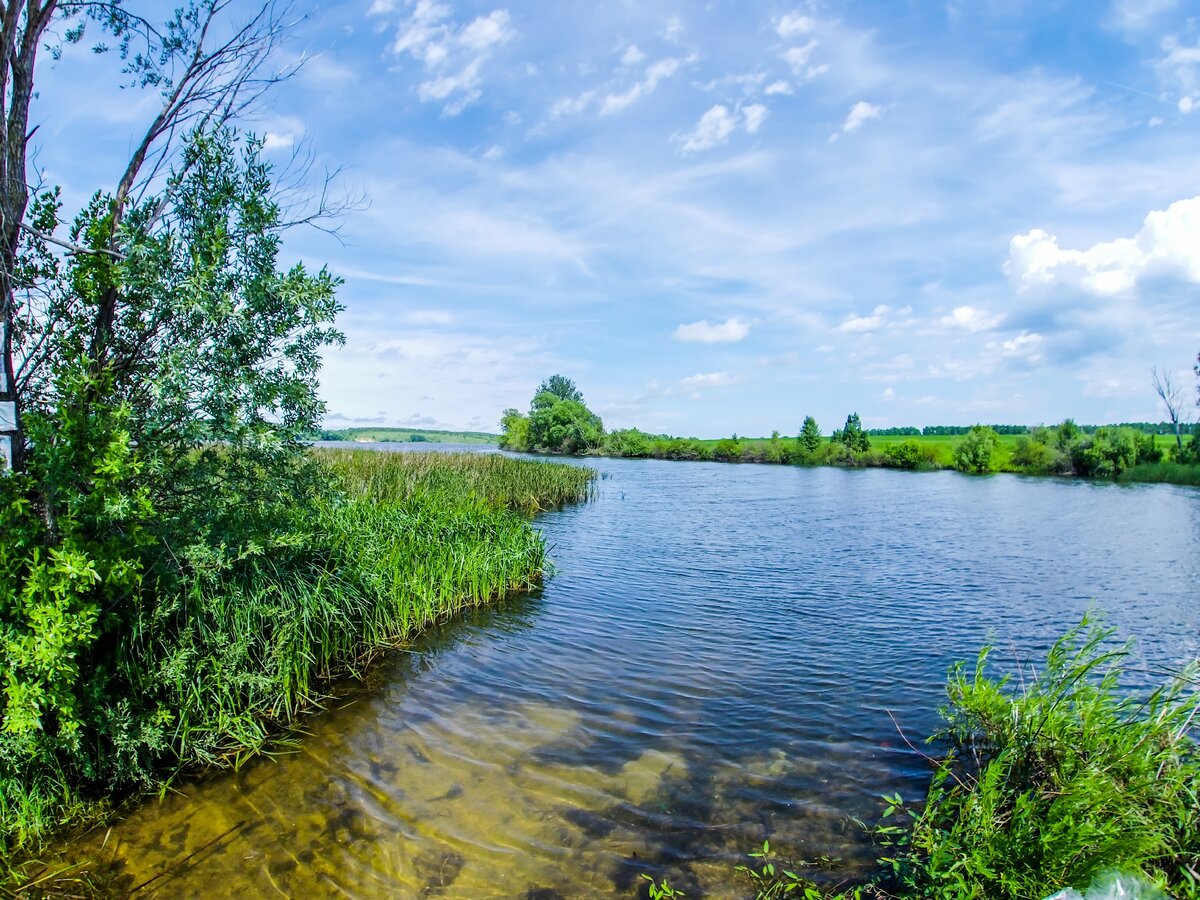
x,y
1047,785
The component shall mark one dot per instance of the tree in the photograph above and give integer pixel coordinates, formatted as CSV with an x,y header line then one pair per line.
x,y
564,426
976,452
207,75
514,431
561,387
810,434
1171,395
852,434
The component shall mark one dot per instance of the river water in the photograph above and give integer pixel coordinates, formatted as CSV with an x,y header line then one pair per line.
x,y
717,660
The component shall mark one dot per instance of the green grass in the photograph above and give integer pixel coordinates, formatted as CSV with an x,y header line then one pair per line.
x,y
1163,473
406,435
221,667
1051,782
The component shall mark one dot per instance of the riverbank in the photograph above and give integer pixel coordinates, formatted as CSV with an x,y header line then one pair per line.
x,y
1116,454
398,542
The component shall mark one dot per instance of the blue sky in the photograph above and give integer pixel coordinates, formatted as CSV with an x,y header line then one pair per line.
x,y
721,217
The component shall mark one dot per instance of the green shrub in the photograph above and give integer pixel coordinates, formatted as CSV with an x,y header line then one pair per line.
x,y
727,450
1107,453
1037,457
1046,787
904,455
977,451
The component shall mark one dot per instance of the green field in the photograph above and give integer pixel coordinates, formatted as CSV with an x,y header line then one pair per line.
x,y
409,435
942,445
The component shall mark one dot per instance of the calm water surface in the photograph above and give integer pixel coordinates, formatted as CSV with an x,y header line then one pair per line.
x,y
713,664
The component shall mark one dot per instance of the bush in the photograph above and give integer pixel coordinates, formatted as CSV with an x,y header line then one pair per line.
x,y
628,442
1107,453
727,450
977,451
1047,787
1037,457
904,455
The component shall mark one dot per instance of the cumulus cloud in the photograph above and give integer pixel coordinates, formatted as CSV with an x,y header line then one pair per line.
x,y
708,379
716,126
728,332
971,319
778,87
1166,245
452,54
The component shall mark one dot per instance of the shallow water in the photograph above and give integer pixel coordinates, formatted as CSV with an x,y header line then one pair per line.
x,y
716,662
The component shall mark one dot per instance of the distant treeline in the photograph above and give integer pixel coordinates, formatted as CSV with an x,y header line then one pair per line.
x,y
957,430
403,436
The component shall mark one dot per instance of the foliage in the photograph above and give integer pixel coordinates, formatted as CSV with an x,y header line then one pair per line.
x,y
977,451
558,422
810,434
852,435
904,455
1045,787
628,442
560,387
514,431
563,426
397,542
728,450
1037,454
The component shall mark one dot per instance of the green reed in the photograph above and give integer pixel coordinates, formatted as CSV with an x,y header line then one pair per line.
x,y
218,664
520,484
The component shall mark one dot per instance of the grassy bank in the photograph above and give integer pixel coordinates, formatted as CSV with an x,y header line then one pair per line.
x,y
1107,453
399,541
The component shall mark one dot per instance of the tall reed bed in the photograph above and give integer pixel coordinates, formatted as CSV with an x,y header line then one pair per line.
x,y
520,484
217,662
405,541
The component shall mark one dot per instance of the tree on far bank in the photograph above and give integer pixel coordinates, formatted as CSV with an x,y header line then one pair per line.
x,y
810,434
852,434
561,387
976,452
1170,393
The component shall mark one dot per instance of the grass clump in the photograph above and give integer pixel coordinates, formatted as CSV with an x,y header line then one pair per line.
x,y
1053,782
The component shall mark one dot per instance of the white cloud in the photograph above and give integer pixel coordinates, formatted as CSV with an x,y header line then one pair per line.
x,y
275,141
1138,15
797,57
753,116
1186,105
632,56
778,87
655,73
453,55
794,24
1167,245
861,112
728,332
716,126
713,129
971,319
859,324
708,379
